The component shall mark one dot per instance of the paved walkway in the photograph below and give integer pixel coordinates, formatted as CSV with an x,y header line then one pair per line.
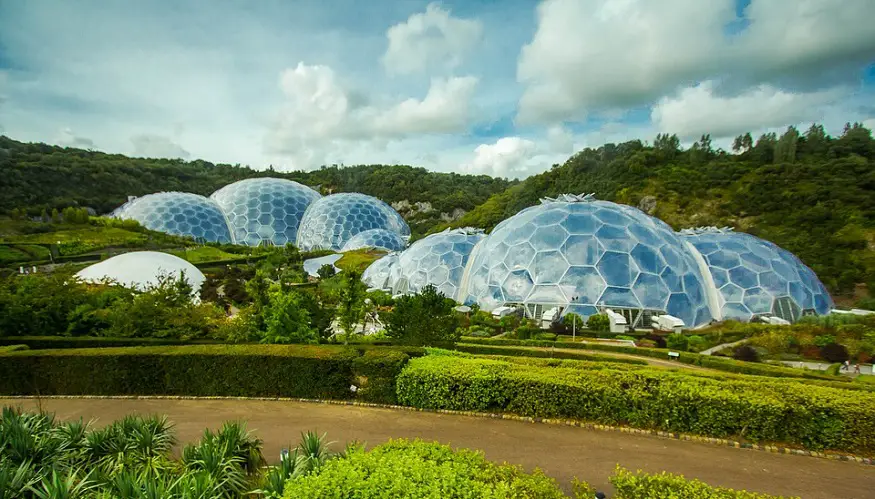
x,y
710,351
562,452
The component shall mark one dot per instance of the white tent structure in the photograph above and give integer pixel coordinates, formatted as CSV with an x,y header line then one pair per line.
x,y
141,269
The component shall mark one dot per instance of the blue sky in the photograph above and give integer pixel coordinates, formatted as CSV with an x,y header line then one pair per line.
x,y
503,88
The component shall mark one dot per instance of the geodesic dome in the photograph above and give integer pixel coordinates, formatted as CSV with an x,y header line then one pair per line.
x,y
438,259
264,210
141,270
755,277
331,221
584,254
178,213
377,274
376,238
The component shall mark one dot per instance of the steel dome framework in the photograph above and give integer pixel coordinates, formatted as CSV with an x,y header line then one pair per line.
x,y
331,221
376,239
179,213
439,259
264,210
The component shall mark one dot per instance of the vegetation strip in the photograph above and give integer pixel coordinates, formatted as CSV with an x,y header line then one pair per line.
x,y
774,449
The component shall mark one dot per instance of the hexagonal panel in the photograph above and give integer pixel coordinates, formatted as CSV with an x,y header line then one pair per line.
x,y
180,214
327,223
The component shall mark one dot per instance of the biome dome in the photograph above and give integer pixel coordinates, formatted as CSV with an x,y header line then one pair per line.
x,y
583,254
755,277
180,214
377,274
141,270
264,210
377,239
331,221
438,259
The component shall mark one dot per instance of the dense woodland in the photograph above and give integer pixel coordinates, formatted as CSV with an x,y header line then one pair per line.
x,y
808,192
36,176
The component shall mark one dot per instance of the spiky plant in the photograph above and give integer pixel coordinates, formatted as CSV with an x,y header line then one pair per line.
x,y
314,451
215,458
15,481
274,482
62,485
242,444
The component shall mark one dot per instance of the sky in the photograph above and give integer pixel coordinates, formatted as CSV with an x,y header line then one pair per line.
x,y
472,86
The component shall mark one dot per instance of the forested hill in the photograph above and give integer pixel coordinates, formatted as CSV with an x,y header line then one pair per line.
x,y
808,192
36,176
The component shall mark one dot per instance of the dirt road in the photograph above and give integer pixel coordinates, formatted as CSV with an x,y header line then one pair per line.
x,y
562,452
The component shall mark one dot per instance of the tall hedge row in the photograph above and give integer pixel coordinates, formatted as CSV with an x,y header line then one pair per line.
x,y
642,485
709,361
760,410
527,352
307,371
52,342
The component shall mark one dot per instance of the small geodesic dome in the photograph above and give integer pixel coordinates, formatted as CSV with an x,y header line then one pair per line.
x,y
180,214
583,255
755,277
331,221
141,269
264,210
438,259
377,239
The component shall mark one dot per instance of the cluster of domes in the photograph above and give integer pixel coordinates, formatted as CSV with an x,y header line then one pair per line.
x,y
583,255
272,211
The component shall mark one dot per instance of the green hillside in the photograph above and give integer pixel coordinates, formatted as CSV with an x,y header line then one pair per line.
x,y
37,176
810,193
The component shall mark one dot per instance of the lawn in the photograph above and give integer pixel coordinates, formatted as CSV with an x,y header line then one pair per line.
x,y
203,254
359,260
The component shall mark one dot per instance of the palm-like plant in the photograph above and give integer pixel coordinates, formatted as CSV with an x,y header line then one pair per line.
x,y
62,485
314,451
242,444
15,481
216,459
274,482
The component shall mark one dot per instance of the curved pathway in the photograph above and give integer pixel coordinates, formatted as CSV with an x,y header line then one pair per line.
x,y
562,452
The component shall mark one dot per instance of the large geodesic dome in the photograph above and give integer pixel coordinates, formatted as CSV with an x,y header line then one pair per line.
x,y
378,274
178,213
582,255
142,269
755,277
331,221
264,210
377,239
439,259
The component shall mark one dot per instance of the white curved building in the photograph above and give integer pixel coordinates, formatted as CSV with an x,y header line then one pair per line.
x,y
141,270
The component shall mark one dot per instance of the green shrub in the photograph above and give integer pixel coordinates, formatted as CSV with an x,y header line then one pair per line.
x,y
709,361
833,352
834,369
545,336
526,352
402,468
745,353
677,341
759,410
54,342
424,319
642,485
13,348
599,323
307,371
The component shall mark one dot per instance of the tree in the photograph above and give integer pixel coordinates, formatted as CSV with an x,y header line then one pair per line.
x,y
785,147
286,319
350,310
599,322
746,353
573,322
677,341
56,217
834,352
326,271
424,319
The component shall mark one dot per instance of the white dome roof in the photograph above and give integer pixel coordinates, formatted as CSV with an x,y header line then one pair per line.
x,y
140,269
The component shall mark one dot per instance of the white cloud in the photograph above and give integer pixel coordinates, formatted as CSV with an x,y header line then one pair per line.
x,y
320,118
560,139
430,38
507,157
591,55
157,146
698,110
67,138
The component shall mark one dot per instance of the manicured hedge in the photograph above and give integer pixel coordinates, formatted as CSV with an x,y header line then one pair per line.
x,y
642,485
709,361
308,371
12,348
51,342
759,410
523,352
402,468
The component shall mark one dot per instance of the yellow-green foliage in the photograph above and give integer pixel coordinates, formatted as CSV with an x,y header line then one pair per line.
x,y
758,410
642,485
402,468
203,254
358,260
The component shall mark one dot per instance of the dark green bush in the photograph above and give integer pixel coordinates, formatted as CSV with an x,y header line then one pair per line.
x,y
307,371
663,485
53,342
834,352
599,322
745,353
759,410
403,468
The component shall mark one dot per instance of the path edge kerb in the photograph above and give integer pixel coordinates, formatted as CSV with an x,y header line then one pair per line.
x,y
774,449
